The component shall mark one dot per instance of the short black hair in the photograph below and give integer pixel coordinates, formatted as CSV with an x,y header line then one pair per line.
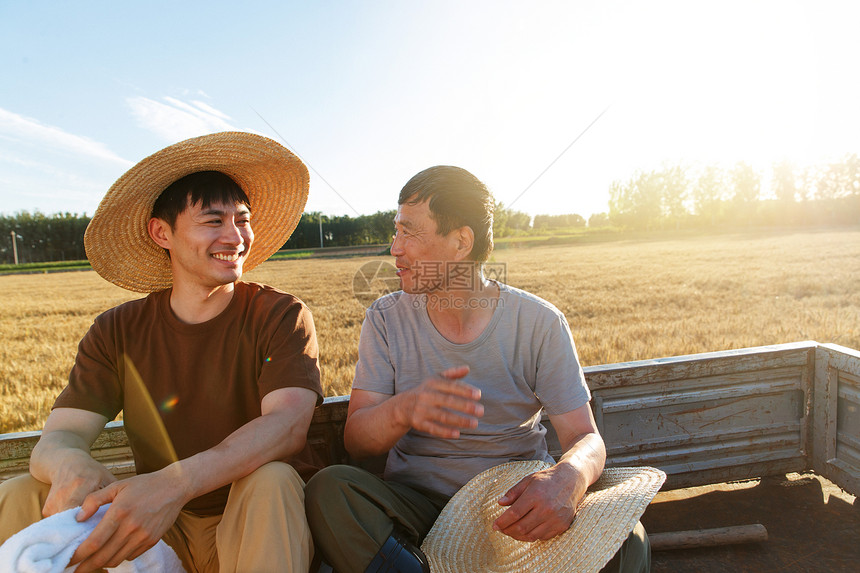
x,y
456,199
207,187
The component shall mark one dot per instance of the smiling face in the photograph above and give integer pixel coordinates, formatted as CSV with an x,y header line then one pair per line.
x,y
208,245
420,252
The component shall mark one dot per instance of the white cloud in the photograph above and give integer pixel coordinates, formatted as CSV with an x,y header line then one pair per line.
x,y
210,110
25,130
48,181
176,120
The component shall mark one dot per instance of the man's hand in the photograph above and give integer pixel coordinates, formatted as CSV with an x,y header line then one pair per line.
x,y
442,406
74,481
62,458
143,508
543,504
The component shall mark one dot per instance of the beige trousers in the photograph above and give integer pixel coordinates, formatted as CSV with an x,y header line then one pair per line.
x,y
263,528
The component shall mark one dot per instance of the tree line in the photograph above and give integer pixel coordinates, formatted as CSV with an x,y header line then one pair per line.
x,y
42,238
341,231
675,197
671,197
39,238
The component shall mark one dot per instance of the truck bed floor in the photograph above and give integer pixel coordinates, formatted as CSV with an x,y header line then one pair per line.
x,y
812,526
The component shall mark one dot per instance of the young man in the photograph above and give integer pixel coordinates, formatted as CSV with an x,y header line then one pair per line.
x,y
452,376
217,378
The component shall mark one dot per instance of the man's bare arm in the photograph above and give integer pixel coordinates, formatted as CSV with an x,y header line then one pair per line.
x,y
62,458
543,504
144,507
439,406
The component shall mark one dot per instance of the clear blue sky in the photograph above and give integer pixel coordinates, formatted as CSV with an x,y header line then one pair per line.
x,y
369,93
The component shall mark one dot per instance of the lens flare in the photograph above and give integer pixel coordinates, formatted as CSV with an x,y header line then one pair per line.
x,y
169,403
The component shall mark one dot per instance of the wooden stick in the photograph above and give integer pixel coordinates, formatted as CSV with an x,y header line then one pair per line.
x,y
708,537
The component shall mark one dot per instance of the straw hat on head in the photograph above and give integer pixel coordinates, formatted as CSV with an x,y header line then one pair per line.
x,y
462,539
276,182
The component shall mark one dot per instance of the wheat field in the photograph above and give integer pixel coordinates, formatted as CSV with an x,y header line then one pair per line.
x,y
624,301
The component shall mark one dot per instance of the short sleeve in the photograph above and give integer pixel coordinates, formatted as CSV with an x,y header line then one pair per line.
x,y
374,371
290,357
560,382
94,383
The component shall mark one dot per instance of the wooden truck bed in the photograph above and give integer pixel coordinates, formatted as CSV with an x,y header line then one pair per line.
x,y
766,435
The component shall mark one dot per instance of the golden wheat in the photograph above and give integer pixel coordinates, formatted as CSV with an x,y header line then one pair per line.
x,y
624,301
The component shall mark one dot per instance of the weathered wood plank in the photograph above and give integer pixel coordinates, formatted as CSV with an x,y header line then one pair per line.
x,y
713,416
734,413
753,533
837,416
708,364
110,448
325,438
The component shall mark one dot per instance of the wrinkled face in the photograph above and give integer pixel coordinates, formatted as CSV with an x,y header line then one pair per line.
x,y
208,246
420,252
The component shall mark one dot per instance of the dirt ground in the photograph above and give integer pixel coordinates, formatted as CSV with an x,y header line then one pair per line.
x,y
812,525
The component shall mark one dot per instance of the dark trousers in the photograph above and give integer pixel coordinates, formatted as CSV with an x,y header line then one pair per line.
x,y
351,513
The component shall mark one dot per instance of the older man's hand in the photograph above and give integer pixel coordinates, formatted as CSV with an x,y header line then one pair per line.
x,y
542,505
443,406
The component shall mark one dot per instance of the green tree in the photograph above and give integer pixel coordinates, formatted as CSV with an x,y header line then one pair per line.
x,y
597,220
507,222
785,210
638,204
674,182
621,204
747,186
840,178
500,219
558,221
708,194
380,226
42,238
852,174
784,182
519,221
648,199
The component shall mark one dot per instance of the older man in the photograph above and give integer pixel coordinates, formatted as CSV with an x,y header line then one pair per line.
x,y
453,374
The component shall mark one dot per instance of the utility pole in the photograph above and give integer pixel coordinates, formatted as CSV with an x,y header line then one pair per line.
x,y
14,247
321,235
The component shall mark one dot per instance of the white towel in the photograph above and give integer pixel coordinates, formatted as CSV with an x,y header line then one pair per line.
x,y
48,545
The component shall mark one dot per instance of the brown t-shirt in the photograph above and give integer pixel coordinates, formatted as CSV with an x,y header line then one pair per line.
x,y
201,381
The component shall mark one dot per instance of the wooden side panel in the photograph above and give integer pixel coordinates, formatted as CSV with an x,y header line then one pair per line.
x,y
15,453
702,418
325,436
709,417
837,429
110,448
325,439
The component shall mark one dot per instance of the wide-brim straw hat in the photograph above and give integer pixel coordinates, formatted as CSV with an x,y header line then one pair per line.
x,y
276,182
462,539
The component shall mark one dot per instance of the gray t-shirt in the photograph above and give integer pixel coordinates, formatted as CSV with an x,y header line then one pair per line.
x,y
524,360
